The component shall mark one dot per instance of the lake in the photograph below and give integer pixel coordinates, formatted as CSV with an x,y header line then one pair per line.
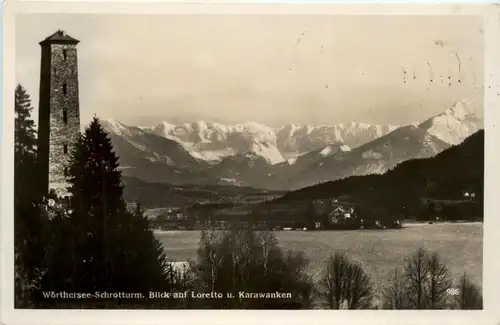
x,y
460,246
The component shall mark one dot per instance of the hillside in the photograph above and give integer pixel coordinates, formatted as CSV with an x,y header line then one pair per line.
x,y
448,175
156,195
375,157
153,158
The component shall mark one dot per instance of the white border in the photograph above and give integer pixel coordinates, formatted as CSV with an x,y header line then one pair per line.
x,y
491,267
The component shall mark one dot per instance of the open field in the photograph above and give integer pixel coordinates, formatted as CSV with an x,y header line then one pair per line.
x,y
380,251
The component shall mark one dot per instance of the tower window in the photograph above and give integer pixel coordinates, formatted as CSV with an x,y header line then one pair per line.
x,y
65,54
65,88
65,148
65,116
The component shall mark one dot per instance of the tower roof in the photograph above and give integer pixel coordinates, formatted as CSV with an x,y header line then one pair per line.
x,y
59,37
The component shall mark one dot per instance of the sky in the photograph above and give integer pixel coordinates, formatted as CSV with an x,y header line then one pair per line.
x,y
270,69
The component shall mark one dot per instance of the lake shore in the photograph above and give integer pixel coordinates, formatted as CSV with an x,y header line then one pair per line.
x,y
460,245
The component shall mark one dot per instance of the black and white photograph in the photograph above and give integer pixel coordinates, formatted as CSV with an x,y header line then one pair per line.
x,y
249,161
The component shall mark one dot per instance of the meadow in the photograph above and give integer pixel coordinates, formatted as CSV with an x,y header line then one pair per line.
x,y
460,246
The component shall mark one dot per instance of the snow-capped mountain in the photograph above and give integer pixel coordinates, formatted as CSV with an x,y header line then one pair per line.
x,y
154,149
294,166
455,124
153,158
375,157
294,140
293,156
214,141
248,169
422,140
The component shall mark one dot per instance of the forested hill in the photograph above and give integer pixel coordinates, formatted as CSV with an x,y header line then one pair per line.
x,y
161,195
445,176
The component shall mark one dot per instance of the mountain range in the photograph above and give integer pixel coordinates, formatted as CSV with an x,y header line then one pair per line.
x,y
448,176
284,158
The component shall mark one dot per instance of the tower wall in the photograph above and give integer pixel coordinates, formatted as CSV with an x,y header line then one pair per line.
x,y
59,113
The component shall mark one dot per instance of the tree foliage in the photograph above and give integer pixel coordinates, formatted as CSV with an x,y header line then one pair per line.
x,y
394,294
345,284
25,133
422,285
241,260
99,246
417,273
439,282
29,222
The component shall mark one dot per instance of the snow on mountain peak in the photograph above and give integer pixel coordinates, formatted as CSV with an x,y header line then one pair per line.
x,y
115,126
345,148
213,141
257,131
167,126
294,140
331,150
461,110
200,126
269,152
454,124
326,151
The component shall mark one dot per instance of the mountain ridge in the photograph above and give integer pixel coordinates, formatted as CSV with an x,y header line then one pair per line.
x,y
248,154
446,176
214,141
375,157
454,124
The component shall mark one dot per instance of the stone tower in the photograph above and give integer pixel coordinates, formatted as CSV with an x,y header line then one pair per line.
x,y
59,111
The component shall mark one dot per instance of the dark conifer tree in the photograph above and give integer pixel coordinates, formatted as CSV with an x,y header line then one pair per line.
x,y
108,247
25,134
28,221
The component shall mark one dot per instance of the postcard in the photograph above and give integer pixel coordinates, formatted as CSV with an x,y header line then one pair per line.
x,y
260,158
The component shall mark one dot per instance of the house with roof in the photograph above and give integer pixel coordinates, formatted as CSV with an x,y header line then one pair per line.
x,y
342,216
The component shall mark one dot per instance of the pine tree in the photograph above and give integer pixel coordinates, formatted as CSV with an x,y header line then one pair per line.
x,y
28,220
25,137
109,248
